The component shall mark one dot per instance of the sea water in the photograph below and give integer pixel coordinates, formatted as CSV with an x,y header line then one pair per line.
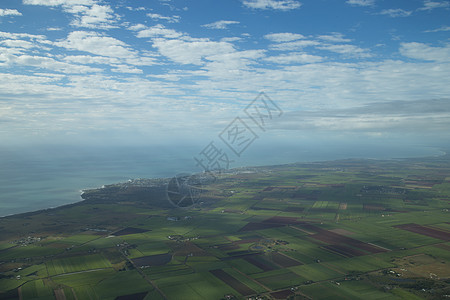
x,y
50,176
39,177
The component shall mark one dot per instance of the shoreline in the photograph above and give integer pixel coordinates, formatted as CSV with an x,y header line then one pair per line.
x,y
444,152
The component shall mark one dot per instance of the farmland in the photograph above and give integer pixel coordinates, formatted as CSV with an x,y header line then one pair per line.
x,y
349,229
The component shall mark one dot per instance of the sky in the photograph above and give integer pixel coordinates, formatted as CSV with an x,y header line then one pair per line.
x,y
106,72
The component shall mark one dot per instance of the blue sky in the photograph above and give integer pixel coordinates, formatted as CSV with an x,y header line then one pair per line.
x,y
134,71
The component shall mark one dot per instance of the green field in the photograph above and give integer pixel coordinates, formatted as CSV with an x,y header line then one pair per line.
x,y
350,229
77,264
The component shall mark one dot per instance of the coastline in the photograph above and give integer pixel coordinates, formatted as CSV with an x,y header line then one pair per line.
x,y
444,153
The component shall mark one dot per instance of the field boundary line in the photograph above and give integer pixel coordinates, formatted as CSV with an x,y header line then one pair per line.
x,y
145,277
331,267
437,228
78,272
281,253
252,279
387,249
74,294
303,230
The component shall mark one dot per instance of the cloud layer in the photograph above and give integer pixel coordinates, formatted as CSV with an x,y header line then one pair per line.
x,y
147,71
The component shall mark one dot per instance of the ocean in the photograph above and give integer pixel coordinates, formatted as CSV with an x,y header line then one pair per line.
x,y
39,177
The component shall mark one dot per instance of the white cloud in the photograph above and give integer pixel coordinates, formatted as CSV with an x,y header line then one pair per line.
x,y
396,12
87,13
220,24
18,44
272,4
361,2
49,64
137,27
295,45
217,72
89,59
9,12
346,50
372,123
95,16
328,84
103,60
142,60
126,69
96,43
231,39
11,35
283,37
430,5
228,64
190,51
172,19
443,28
295,57
158,31
424,52
322,85
136,8
169,77
58,2
6,53
334,38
